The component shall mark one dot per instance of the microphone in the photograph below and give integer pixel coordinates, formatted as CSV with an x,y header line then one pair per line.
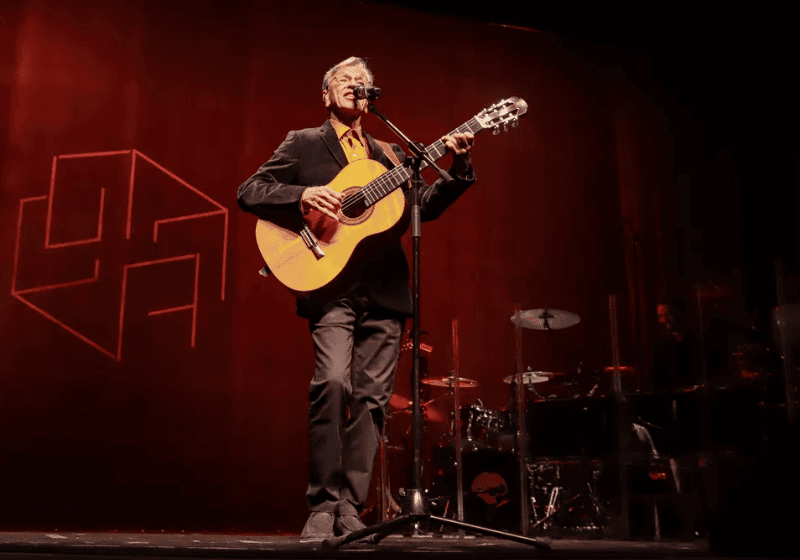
x,y
364,92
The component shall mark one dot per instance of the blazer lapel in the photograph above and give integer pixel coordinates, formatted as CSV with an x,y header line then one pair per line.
x,y
332,142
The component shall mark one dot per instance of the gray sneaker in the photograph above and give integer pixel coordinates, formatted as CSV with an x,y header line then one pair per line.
x,y
318,527
346,524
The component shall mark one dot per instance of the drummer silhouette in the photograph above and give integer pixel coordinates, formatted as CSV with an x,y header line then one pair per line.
x,y
677,357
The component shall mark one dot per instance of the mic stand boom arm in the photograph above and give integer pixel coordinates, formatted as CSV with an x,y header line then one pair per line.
x,y
414,147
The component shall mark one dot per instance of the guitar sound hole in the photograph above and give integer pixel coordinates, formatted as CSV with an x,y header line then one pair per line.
x,y
353,206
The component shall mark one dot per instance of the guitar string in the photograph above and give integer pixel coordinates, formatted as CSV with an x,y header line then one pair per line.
x,y
375,189
435,150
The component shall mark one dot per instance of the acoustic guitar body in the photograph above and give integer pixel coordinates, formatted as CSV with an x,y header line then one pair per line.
x,y
295,265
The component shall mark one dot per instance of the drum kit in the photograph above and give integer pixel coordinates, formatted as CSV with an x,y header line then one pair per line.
x,y
478,449
537,463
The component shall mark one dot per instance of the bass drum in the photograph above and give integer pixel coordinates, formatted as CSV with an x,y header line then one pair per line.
x,y
491,487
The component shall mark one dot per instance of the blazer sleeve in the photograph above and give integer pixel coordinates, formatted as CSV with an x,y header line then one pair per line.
x,y
436,198
273,189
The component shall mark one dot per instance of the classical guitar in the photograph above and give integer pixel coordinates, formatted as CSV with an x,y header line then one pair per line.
x,y
306,259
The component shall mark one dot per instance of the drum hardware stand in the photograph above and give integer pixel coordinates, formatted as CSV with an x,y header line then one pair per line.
x,y
550,510
457,429
585,499
415,508
548,320
532,493
388,505
522,428
621,409
384,473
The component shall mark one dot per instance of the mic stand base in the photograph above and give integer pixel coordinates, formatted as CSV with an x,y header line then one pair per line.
x,y
379,532
414,503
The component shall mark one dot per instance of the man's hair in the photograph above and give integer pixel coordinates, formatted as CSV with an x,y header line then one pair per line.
x,y
352,61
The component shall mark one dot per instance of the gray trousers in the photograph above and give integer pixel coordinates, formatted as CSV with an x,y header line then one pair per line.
x,y
357,348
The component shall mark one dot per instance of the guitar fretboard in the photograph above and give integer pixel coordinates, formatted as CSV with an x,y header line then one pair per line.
x,y
375,190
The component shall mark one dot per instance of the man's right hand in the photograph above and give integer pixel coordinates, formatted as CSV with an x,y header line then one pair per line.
x,y
322,199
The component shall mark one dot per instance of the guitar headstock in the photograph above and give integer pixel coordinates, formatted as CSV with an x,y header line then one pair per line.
x,y
503,113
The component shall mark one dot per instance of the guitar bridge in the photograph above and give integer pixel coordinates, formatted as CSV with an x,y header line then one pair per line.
x,y
311,242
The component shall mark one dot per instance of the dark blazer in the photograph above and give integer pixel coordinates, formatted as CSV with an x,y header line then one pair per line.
x,y
313,157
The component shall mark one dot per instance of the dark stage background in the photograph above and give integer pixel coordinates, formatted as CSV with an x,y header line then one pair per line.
x,y
151,379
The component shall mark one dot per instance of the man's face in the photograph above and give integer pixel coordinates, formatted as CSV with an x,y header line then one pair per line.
x,y
664,316
339,96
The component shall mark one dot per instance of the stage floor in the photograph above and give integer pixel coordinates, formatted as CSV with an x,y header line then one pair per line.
x,y
35,545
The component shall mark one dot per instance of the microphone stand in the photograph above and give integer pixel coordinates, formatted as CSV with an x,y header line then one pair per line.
x,y
414,508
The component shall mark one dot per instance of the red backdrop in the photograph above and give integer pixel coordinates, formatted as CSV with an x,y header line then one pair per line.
x,y
149,377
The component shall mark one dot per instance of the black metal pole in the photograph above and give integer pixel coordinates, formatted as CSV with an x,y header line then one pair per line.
x,y
416,233
414,503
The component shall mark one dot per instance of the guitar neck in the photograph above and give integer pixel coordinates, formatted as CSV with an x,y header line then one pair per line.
x,y
389,181
437,150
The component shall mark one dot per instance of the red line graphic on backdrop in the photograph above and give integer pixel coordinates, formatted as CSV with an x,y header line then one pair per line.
x,y
117,247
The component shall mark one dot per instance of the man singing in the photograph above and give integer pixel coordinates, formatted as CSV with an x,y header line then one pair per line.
x,y
356,332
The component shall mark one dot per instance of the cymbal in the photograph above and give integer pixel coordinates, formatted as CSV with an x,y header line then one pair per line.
x,y
623,370
399,402
450,382
545,319
432,414
532,377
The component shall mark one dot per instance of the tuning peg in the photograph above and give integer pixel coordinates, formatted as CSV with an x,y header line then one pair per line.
x,y
496,130
514,123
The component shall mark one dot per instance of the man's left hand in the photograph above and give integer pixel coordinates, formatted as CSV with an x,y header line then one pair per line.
x,y
460,145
